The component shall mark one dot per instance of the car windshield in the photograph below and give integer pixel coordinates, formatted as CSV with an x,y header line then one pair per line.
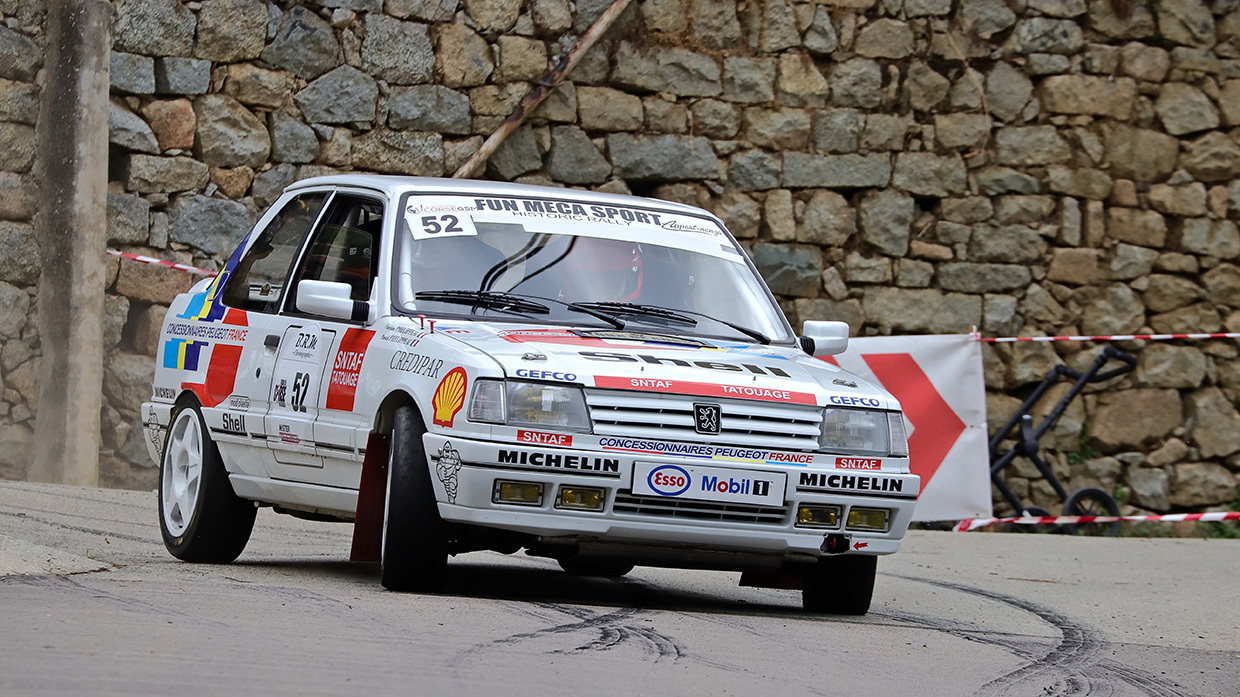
x,y
561,262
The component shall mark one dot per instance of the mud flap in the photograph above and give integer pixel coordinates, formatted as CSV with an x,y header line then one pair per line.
x,y
368,525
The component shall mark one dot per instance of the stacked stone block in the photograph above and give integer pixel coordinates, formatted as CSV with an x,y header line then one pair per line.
x,y
21,60
908,166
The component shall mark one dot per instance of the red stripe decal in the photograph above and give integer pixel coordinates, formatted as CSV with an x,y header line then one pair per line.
x,y
346,368
767,394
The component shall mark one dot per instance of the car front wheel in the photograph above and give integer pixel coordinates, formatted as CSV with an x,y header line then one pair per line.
x,y
201,518
415,538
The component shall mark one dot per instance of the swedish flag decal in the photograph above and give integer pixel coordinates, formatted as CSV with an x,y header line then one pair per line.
x,y
182,354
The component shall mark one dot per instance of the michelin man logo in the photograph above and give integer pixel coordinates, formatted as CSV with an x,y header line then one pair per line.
x,y
449,464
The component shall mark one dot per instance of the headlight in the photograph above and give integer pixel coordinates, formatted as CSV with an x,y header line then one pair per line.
x,y
529,404
488,402
899,441
849,431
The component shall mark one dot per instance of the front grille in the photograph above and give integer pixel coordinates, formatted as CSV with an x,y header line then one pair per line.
x,y
628,504
670,417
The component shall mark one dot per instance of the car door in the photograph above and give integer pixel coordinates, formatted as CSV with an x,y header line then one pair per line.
x,y
251,292
310,415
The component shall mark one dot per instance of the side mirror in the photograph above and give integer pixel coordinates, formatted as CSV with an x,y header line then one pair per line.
x,y
331,299
824,338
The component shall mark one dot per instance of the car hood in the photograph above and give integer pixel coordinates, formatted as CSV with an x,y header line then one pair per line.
x,y
656,362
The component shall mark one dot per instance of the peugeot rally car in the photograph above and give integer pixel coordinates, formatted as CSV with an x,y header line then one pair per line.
x,y
461,365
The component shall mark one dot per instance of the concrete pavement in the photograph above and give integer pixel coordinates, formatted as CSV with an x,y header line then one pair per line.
x,y
953,614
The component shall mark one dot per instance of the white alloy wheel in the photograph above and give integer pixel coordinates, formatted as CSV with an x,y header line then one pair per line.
x,y
182,472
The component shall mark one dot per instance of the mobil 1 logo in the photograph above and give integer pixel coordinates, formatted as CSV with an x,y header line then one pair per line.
x,y
709,483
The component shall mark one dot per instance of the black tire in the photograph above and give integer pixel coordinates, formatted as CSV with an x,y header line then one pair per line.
x,y
1032,512
415,538
201,518
1091,501
595,566
840,585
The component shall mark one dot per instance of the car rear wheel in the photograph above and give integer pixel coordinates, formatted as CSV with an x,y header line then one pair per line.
x,y
595,566
840,585
201,518
415,538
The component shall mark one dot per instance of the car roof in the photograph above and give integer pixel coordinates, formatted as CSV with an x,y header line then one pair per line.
x,y
395,185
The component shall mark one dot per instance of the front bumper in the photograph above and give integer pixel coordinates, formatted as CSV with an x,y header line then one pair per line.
x,y
465,481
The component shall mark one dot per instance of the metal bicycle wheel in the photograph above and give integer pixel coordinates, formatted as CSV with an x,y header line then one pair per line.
x,y
1091,501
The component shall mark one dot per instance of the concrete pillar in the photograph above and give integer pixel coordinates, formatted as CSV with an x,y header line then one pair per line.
x,y
72,166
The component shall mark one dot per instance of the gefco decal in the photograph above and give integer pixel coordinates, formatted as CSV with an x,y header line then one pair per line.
x,y
540,438
449,397
545,375
706,452
416,363
347,368
850,401
858,463
850,482
585,463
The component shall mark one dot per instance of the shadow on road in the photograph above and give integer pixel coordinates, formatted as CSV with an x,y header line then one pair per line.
x,y
551,585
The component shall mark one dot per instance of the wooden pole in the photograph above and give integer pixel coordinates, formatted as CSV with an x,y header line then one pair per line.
x,y
542,90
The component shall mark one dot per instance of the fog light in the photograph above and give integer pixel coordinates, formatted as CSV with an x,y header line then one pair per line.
x,y
818,516
520,493
873,519
580,498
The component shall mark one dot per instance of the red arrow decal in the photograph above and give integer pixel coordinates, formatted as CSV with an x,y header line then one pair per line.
x,y
859,545
935,426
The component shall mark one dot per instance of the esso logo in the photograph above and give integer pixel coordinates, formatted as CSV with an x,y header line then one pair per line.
x,y
668,480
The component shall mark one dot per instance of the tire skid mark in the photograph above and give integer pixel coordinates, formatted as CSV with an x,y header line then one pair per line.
x,y
68,585
1017,644
78,528
1072,668
613,632
607,631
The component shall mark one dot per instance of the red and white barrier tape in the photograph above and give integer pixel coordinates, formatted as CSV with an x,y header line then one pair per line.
x,y
1113,337
974,523
161,262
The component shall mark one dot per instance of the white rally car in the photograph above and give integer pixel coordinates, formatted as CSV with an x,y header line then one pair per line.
x,y
460,365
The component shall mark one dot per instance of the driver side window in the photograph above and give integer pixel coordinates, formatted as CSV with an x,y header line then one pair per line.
x,y
258,281
345,247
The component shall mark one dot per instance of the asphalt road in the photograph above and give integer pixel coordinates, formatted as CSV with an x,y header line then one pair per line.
x,y
90,603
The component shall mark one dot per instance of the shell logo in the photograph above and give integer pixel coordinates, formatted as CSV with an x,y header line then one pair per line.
x,y
449,397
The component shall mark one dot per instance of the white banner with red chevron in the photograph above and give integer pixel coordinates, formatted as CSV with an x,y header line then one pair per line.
x,y
938,380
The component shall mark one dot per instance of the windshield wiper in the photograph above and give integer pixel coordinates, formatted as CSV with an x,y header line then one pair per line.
x,y
513,302
674,315
491,300
635,310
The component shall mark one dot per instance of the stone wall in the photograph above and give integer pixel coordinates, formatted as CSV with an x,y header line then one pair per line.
x,y
21,63
909,166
